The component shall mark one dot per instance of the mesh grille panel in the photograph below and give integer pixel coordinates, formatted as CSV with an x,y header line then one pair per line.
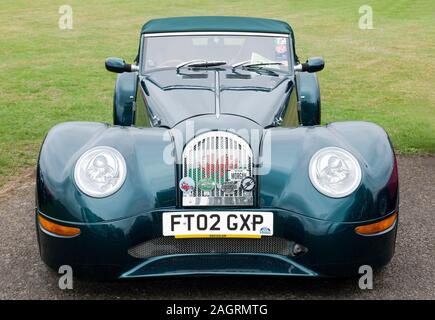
x,y
212,156
169,245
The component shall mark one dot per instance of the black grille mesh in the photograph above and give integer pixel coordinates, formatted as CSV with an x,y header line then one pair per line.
x,y
168,245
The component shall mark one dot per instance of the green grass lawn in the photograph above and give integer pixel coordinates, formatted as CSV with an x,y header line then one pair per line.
x,y
48,75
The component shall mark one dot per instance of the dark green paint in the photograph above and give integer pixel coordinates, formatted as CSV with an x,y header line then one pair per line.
x,y
216,23
154,123
124,99
116,65
309,97
334,249
173,98
151,183
313,65
142,114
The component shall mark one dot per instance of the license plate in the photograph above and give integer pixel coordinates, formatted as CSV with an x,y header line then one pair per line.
x,y
238,174
218,224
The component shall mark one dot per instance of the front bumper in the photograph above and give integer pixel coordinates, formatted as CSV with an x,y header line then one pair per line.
x,y
101,249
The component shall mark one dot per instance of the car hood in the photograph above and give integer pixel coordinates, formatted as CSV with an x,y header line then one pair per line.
x,y
176,96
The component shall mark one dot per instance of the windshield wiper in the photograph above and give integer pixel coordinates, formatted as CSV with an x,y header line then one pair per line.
x,y
201,64
247,64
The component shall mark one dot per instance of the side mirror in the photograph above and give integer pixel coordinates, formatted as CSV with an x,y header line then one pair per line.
x,y
311,65
118,65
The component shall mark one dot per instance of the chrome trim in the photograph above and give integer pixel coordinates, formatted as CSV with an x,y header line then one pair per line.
x,y
217,93
185,63
79,167
297,67
211,155
218,201
240,63
208,33
168,34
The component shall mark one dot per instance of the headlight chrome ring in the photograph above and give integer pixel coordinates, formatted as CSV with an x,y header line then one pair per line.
x,y
100,171
334,172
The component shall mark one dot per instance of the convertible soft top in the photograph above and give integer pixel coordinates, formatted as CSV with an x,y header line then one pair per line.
x,y
216,23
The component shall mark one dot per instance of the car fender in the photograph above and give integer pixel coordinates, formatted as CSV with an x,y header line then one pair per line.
x,y
124,98
149,183
309,96
287,185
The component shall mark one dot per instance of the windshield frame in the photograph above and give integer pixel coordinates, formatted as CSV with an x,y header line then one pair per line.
x,y
144,37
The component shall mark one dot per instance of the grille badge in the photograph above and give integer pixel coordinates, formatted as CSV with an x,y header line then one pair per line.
x,y
248,184
229,186
206,184
187,184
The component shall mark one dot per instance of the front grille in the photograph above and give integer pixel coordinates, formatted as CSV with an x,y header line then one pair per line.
x,y
212,156
167,245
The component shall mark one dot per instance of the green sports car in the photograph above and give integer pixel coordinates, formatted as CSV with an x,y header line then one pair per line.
x,y
216,163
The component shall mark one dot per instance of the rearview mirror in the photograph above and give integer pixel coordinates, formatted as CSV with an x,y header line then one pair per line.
x,y
118,65
311,65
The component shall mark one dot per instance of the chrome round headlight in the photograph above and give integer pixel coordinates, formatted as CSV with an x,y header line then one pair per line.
x,y
100,171
334,172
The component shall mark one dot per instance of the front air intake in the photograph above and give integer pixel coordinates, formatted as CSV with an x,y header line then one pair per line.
x,y
163,246
217,162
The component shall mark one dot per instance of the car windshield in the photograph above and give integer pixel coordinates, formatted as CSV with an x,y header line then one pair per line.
x,y
172,51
